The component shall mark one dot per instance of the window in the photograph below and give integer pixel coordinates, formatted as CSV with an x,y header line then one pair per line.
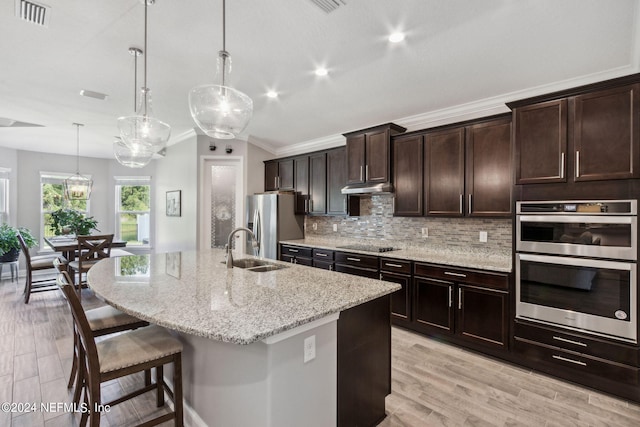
x,y
4,195
133,212
52,197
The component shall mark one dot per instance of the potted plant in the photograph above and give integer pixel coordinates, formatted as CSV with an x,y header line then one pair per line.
x,y
9,244
68,220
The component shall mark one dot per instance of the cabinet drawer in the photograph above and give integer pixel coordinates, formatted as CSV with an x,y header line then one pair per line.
x,y
296,251
363,272
571,365
578,343
485,279
357,260
323,254
325,265
395,265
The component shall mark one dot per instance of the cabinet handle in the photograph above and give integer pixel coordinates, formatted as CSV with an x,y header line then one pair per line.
x,y
278,182
293,250
275,182
361,174
366,173
459,298
393,204
448,273
569,341
306,205
295,260
310,205
564,359
381,276
561,165
320,254
450,296
577,164
461,198
353,259
470,203
345,203
330,267
388,264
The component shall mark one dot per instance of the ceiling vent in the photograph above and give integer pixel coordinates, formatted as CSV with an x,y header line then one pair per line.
x,y
329,5
33,12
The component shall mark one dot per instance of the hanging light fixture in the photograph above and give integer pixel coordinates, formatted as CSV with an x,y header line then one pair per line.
x,y
136,153
219,110
77,187
142,128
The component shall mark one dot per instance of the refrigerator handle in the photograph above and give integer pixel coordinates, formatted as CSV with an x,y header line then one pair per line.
x,y
256,231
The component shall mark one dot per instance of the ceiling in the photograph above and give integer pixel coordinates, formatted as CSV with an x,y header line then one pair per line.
x,y
460,59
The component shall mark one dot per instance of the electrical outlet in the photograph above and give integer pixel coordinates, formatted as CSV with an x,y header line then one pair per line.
x,y
335,227
483,236
309,348
425,232
315,226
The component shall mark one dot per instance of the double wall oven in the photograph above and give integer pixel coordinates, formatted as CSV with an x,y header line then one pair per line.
x,y
576,266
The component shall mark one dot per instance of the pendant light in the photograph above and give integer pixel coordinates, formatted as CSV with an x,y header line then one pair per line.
x,y
77,187
219,110
135,154
142,128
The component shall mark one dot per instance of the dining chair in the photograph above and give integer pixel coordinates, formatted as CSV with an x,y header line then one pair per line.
x,y
91,249
103,320
121,355
38,263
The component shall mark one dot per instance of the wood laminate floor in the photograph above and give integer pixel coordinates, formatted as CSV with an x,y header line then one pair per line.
x,y
433,384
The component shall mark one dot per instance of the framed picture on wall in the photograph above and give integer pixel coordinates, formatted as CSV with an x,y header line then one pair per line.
x,y
173,203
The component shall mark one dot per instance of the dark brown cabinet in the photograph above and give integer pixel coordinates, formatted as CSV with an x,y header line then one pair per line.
x,y
336,179
278,175
488,168
301,172
591,135
469,304
323,258
296,255
398,271
368,154
407,175
357,264
318,183
444,172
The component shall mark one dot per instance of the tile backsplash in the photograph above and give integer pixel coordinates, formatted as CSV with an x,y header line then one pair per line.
x,y
377,222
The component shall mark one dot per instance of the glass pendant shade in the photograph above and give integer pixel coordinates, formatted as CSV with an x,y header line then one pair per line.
x,y
142,129
77,187
132,156
221,112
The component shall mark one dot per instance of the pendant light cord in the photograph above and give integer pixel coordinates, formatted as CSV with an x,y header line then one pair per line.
x,y
224,52
146,53
77,125
135,81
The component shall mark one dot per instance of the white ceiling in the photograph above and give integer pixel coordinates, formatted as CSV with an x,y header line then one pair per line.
x,y
461,59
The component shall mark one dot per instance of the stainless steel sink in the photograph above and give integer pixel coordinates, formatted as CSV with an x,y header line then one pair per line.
x,y
257,265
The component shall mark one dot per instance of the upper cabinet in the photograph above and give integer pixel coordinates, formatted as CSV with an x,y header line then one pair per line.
x,y
336,179
444,172
407,175
368,154
589,134
301,184
278,175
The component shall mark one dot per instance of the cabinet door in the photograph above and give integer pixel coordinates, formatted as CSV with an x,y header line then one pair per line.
x,y
318,183
488,169
336,179
407,172
432,307
482,316
355,159
444,172
285,175
606,134
377,156
271,176
400,300
301,171
540,139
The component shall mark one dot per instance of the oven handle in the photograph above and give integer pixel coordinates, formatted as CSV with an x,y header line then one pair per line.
x,y
580,262
578,219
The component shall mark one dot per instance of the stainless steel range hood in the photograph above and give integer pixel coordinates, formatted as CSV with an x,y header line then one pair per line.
x,y
384,187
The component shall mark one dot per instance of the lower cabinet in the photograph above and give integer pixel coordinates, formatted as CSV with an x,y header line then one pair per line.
x,y
296,254
398,271
357,264
323,258
467,305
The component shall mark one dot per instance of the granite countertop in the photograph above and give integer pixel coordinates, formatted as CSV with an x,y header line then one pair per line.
x,y
194,293
468,257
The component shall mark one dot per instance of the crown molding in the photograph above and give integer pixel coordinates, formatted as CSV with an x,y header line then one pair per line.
x,y
323,143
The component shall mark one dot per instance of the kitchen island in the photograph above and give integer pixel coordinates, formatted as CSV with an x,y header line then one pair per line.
x,y
247,335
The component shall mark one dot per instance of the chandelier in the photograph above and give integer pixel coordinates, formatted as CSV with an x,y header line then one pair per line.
x,y
142,129
221,111
77,187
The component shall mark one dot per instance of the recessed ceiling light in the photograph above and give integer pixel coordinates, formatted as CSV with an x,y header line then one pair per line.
x,y
396,37
272,94
321,71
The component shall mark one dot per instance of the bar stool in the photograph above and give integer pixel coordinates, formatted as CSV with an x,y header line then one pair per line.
x,y
125,354
103,320
13,266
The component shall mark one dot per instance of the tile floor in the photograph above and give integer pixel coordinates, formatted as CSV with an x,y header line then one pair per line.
x,y
434,384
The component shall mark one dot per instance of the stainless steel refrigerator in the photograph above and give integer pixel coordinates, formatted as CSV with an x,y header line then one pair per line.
x,y
271,217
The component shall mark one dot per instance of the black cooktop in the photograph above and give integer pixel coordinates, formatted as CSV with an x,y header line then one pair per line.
x,y
368,248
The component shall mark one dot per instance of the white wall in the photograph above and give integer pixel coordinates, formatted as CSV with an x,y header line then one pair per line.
x,y
178,170
255,168
9,160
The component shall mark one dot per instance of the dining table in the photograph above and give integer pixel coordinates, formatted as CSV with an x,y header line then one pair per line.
x,y
68,245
